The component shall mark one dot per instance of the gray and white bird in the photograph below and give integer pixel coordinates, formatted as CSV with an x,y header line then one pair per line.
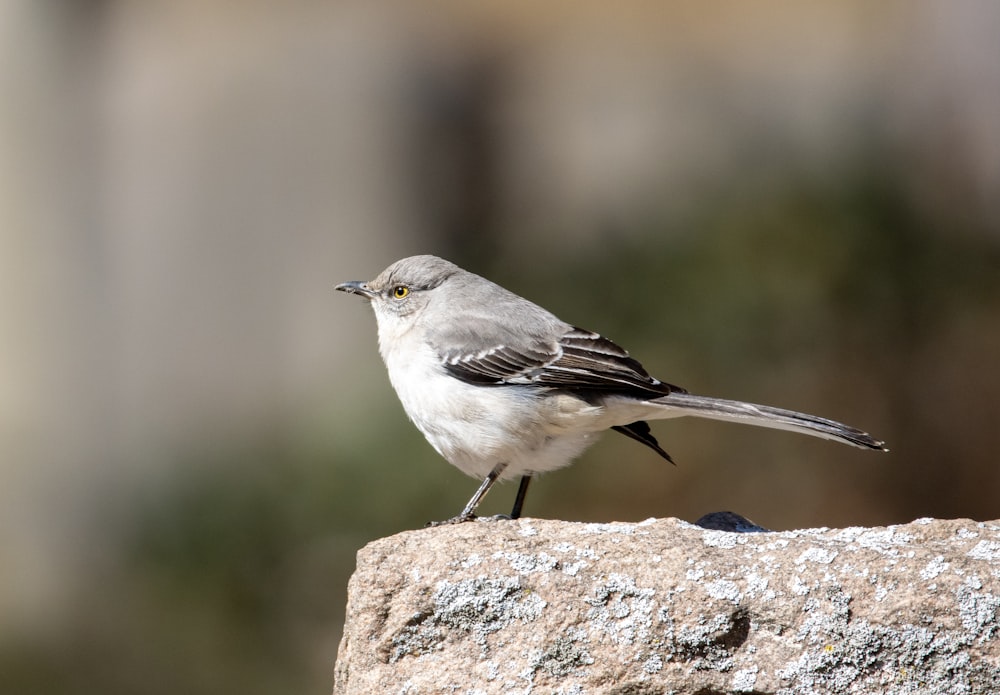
x,y
502,388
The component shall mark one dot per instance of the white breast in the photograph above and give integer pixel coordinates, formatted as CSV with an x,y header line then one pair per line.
x,y
476,427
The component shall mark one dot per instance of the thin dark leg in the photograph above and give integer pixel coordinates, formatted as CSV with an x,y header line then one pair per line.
x,y
522,491
469,513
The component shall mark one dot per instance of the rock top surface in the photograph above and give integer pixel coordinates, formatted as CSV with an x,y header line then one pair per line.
x,y
662,606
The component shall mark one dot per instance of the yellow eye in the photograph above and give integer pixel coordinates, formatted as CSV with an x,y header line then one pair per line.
x,y
400,291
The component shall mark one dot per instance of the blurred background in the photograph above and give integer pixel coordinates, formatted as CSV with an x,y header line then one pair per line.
x,y
784,203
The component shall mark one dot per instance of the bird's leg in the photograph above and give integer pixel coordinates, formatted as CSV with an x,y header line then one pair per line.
x,y
469,513
522,491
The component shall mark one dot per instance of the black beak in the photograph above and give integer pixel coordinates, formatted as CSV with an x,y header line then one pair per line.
x,y
356,287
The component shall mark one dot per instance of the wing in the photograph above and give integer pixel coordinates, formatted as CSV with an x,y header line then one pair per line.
x,y
577,360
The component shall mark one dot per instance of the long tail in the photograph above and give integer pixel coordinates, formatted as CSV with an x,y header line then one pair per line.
x,y
766,416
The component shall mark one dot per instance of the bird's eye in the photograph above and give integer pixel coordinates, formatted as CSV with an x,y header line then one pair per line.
x,y
400,291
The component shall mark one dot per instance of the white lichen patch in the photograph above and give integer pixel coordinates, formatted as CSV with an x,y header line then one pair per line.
x,y
798,587
621,610
882,540
695,574
756,585
978,610
985,550
653,664
710,641
611,528
479,607
934,568
471,561
526,529
722,539
823,556
723,590
581,558
564,656
492,670
745,679
527,563
578,552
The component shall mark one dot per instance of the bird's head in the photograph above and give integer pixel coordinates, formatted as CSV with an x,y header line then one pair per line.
x,y
404,289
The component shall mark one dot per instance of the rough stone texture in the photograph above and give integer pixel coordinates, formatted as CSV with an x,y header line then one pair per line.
x,y
533,606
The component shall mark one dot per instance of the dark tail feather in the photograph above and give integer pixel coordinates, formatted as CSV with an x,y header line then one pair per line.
x,y
766,416
640,432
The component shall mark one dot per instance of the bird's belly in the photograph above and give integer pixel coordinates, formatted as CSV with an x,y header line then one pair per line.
x,y
476,427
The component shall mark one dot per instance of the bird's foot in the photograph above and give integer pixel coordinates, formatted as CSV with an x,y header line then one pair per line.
x,y
460,519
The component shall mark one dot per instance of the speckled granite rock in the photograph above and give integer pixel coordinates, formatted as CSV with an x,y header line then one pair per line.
x,y
666,607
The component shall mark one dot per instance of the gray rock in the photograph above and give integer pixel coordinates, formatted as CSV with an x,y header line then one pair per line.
x,y
662,606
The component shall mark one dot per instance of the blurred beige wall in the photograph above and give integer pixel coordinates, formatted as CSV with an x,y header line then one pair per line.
x,y
182,183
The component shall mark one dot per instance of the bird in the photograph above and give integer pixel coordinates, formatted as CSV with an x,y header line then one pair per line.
x,y
502,388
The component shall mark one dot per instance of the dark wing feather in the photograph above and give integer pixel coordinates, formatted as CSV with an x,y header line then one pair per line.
x,y
591,361
500,364
579,360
